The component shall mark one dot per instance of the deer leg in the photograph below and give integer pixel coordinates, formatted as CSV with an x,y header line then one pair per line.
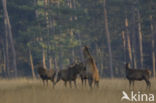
x,y
47,82
53,79
148,83
97,84
82,81
70,84
75,83
58,79
65,83
53,83
43,82
94,83
90,81
85,82
130,84
133,84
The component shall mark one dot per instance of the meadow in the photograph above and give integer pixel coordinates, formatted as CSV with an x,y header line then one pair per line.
x,y
25,90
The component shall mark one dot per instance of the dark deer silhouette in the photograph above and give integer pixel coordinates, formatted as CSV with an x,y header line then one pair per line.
x,y
83,74
69,74
137,74
46,75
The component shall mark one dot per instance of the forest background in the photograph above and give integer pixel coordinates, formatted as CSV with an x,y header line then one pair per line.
x,y
54,32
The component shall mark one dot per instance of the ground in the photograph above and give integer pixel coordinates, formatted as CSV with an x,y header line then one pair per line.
x,y
32,91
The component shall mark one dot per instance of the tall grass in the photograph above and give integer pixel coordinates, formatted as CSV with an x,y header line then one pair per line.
x,y
33,91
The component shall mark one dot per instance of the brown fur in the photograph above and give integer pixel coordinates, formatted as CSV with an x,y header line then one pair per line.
x,y
138,74
93,73
46,75
70,73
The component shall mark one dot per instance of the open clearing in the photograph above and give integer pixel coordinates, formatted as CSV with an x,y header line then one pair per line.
x,y
33,91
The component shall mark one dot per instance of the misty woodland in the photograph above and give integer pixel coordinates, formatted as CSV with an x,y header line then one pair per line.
x,y
55,33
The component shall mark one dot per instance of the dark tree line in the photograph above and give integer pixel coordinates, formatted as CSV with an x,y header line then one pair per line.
x,y
54,31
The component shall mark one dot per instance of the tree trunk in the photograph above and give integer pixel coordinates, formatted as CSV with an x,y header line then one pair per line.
x,y
4,60
108,39
56,67
101,62
44,58
73,58
80,41
35,4
128,42
50,62
140,38
129,48
46,13
9,33
7,61
133,29
32,65
124,44
49,27
55,64
153,46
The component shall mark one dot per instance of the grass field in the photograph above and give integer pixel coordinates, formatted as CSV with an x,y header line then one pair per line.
x,y
32,91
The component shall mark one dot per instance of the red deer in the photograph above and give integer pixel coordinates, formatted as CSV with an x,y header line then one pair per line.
x,y
46,75
138,74
69,74
91,68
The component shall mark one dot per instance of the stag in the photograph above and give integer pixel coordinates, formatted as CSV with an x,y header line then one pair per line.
x,y
138,74
69,74
46,75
